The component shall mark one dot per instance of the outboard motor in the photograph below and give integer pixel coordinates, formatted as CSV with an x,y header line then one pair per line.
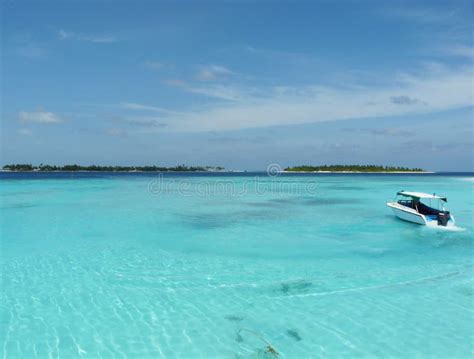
x,y
443,218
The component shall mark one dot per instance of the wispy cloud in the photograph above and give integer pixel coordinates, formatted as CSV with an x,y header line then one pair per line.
x,y
31,50
432,146
461,51
425,15
154,65
139,121
39,117
403,100
282,55
115,132
390,131
223,92
63,35
27,45
213,73
430,89
99,39
175,82
141,107
234,140
24,131
228,92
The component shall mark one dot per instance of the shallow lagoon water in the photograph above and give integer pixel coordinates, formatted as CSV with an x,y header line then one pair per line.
x,y
140,265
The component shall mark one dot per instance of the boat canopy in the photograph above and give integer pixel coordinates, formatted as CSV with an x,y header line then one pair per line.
x,y
421,195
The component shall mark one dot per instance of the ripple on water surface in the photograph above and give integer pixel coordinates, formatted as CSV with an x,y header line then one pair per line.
x,y
113,272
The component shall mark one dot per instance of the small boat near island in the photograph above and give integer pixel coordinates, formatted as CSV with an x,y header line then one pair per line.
x,y
412,207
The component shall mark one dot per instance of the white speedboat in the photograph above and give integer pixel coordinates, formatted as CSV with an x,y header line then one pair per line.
x,y
418,207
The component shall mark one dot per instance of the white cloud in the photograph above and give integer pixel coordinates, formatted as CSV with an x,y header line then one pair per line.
x,y
435,88
64,35
99,39
213,73
39,117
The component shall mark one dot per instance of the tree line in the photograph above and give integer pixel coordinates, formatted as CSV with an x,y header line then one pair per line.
x,y
71,168
352,168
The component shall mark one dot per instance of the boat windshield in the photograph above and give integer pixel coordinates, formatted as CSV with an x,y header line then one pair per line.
x,y
424,206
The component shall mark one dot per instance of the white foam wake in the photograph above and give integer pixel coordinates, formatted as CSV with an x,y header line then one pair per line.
x,y
451,228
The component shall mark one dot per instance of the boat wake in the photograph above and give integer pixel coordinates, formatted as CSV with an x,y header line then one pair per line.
x,y
449,228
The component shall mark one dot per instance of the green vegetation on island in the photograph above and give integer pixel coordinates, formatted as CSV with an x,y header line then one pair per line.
x,y
352,168
71,168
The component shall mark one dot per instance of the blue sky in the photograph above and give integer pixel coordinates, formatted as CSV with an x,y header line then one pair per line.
x,y
238,83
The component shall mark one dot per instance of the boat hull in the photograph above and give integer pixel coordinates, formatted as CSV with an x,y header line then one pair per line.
x,y
411,215
407,214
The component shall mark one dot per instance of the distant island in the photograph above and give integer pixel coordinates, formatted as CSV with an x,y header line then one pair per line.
x,y
183,168
94,168
354,168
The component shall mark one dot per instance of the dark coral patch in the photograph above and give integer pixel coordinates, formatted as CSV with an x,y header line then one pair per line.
x,y
295,287
234,318
293,334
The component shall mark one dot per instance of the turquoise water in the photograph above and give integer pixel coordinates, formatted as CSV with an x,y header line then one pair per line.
x,y
148,266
